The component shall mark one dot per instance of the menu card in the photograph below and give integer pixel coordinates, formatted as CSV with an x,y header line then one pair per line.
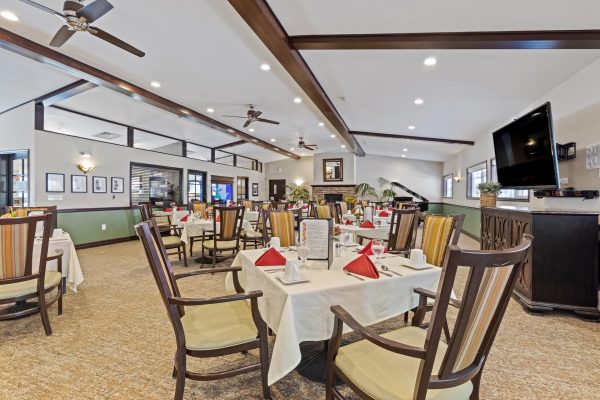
x,y
317,235
368,214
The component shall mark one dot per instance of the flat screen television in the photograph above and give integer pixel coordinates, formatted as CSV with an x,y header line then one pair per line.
x,y
526,152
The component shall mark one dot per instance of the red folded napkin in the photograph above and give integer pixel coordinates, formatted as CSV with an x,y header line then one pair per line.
x,y
179,208
390,209
168,210
362,266
270,258
384,214
348,222
367,224
184,218
230,205
304,206
367,249
218,218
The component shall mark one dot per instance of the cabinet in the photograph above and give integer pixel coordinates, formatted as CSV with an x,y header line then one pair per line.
x,y
561,270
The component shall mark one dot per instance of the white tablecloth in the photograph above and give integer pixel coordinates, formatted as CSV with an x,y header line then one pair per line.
x,y
379,232
71,269
175,215
196,227
300,312
251,216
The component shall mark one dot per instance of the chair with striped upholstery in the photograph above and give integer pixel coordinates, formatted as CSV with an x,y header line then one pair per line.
x,y
403,231
282,226
439,231
247,204
18,281
338,212
412,363
226,235
323,211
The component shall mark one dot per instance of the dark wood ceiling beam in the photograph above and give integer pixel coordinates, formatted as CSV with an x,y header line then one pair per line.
x,y
65,92
423,138
20,45
530,40
226,145
261,19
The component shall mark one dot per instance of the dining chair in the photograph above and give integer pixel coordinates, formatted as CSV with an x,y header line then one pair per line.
x,y
25,211
324,211
247,205
226,236
280,205
199,208
254,235
403,231
169,241
282,226
338,212
413,363
18,282
207,327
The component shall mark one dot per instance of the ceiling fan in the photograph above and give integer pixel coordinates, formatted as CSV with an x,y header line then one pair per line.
x,y
253,116
302,145
78,17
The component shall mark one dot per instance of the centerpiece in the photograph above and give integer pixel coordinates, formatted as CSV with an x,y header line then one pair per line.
x,y
488,193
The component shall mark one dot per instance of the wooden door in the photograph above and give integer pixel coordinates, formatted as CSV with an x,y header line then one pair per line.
x,y
276,189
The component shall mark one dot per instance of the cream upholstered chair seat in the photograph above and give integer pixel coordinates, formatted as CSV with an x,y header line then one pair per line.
x,y
12,290
252,234
221,245
386,375
209,326
171,241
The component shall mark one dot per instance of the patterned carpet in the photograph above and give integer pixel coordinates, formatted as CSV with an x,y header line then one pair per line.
x,y
114,341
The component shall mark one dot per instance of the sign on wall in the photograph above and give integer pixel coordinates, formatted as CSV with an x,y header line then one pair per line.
x,y
592,156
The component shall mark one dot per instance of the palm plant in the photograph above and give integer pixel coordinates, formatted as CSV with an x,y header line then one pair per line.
x,y
384,193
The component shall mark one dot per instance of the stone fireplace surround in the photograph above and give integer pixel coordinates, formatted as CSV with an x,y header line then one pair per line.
x,y
320,191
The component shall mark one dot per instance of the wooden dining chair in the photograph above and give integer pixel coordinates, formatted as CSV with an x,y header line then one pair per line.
x,y
227,236
196,207
282,226
337,212
280,205
18,282
415,364
403,231
324,211
440,231
169,241
207,327
253,236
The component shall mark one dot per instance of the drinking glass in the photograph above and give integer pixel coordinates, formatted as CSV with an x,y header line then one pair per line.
x,y
343,219
377,249
302,253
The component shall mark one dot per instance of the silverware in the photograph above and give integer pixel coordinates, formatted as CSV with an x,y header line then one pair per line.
x,y
385,268
274,270
385,273
290,249
355,276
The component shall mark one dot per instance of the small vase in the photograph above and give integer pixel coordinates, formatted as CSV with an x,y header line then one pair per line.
x,y
487,199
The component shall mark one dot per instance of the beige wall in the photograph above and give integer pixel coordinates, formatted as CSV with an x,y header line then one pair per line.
x,y
291,170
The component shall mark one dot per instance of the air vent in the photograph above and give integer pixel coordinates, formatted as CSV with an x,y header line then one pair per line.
x,y
107,135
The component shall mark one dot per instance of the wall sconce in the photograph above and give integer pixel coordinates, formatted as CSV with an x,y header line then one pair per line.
x,y
299,182
86,165
458,178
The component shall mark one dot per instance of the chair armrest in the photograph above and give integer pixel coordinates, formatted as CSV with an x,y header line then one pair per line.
x,y
215,300
58,254
368,334
207,271
431,295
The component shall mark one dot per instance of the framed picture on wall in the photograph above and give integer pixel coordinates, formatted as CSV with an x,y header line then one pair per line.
x,y
333,169
99,184
55,183
117,185
78,183
255,189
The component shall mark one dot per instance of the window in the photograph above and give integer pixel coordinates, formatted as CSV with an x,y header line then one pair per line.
x,y
156,184
448,186
162,144
222,157
196,185
475,175
507,194
221,189
198,152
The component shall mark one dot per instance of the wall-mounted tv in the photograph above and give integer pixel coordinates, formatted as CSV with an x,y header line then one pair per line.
x,y
526,152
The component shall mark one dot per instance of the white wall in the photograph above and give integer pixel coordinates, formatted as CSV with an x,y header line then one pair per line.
x,y
290,170
349,173
576,113
61,153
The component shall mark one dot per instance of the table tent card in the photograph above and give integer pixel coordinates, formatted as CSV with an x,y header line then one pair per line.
x,y
317,235
368,213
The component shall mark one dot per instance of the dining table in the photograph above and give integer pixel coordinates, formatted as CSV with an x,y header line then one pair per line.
x,y
378,232
71,269
299,314
196,227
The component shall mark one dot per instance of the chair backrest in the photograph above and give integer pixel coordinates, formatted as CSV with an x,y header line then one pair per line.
x,y
408,205
439,231
338,212
403,230
282,226
25,211
491,278
17,238
197,207
247,204
280,205
323,211
266,206
145,211
230,222
343,207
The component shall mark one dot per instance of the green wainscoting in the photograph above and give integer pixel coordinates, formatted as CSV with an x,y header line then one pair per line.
x,y
472,222
85,226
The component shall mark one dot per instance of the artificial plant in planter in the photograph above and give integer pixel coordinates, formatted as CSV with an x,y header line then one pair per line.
x,y
488,192
383,194
298,192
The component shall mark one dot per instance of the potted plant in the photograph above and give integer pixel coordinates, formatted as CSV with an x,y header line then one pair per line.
x,y
488,192
383,194
297,193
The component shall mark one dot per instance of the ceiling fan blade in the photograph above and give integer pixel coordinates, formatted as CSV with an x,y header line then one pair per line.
x,y
234,116
257,114
63,34
95,10
114,40
308,148
247,123
268,121
43,8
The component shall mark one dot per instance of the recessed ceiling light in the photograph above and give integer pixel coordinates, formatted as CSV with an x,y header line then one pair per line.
x,y
303,154
275,148
321,124
332,136
430,61
291,149
403,155
419,101
254,140
9,15
404,149
343,146
251,129
412,127
272,140
210,110
155,84
297,100
230,130
265,67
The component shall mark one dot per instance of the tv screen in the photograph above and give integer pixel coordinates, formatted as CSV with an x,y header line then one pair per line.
x,y
526,153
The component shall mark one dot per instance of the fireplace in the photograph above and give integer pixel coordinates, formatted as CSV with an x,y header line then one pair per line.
x,y
333,197
333,192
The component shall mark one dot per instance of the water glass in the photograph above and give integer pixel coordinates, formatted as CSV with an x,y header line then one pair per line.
x,y
377,248
302,253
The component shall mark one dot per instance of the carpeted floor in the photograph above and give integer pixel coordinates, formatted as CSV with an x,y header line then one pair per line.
x,y
114,341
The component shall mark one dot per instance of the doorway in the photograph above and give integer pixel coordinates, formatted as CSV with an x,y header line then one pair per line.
x,y
276,189
14,179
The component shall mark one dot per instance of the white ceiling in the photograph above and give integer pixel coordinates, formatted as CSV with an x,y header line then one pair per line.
x,y
318,17
416,149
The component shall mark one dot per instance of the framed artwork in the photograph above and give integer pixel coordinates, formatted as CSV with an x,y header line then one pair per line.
x,y
255,189
117,185
55,183
99,184
333,169
78,183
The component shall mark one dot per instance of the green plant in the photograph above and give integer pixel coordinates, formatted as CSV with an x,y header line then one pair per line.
x,y
296,193
489,188
384,193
